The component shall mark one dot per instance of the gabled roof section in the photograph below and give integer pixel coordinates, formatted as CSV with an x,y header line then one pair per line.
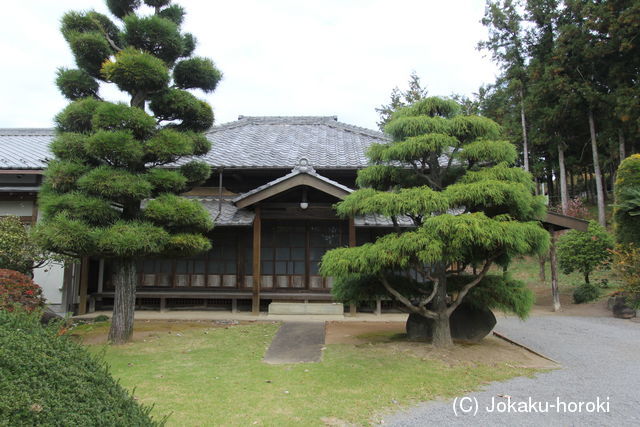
x,y
279,142
302,174
272,142
25,148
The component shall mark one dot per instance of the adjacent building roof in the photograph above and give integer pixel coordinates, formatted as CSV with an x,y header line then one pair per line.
x,y
249,142
25,148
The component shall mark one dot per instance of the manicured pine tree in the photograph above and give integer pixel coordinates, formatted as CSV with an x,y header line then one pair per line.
x,y
470,208
112,189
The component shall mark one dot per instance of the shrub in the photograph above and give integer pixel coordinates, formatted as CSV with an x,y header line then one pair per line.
x,y
626,261
17,250
47,379
626,215
586,292
101,318
585,251
18,288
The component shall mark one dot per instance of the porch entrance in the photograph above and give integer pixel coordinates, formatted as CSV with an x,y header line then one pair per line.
x,y
291,252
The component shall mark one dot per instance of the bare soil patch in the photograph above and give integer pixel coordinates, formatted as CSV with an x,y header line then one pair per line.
x,y
145,330
544,305
390,335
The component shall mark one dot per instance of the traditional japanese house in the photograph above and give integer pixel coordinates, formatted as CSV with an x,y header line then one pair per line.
x,y
271,194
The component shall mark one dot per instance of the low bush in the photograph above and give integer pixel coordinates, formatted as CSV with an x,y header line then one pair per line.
x,y
626,259
48,379
586,292
17,288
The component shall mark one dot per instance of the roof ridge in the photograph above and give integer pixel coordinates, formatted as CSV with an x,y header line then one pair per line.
x,y
26,131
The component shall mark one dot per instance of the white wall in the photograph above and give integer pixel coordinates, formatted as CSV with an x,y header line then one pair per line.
x,y
50,278
16,207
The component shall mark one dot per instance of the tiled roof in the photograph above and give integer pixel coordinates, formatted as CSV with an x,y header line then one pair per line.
x,y
249,142
25,148
376,220
279,142
225,212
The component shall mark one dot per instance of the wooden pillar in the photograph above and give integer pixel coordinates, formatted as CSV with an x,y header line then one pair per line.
x,y
554,270
84,285
353,309
257,236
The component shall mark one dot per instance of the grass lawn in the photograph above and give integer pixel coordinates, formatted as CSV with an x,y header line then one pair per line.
x,y
212,375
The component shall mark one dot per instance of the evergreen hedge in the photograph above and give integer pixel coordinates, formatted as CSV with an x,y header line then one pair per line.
x,y
48,379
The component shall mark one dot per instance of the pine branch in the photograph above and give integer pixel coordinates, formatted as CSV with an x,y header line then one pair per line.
x,y
106,35
418,310
470,285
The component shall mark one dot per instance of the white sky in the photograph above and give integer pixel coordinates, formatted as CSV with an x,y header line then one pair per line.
x,y
279,57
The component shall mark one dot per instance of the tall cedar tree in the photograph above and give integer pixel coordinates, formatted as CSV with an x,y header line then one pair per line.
x,y
454,179
112,189
401,98
507,48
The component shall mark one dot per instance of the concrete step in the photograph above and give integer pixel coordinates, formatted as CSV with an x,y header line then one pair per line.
x,y
331,308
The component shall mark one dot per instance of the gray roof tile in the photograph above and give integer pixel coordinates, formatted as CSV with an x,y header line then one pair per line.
x,y
25,148
249,142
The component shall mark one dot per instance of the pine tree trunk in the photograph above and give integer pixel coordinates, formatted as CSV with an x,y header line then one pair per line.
x,y
598,174
124,280
621,147
555,293
542,260
564,197
525,142
441,327
442,332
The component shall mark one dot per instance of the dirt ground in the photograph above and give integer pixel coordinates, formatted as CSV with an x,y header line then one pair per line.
x,y
489,351
97,333
544,306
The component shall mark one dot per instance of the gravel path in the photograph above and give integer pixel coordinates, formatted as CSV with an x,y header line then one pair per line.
x,y
600,358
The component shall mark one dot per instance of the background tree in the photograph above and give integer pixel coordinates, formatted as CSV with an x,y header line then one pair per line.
x,y
401,98
18,251
581,95
452,176
506,44
627,208
110,157
585,251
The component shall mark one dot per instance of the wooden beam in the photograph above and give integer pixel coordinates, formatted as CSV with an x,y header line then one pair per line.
x,y
84,285
295,181
353,308
257,245
21,171
34,213
563,222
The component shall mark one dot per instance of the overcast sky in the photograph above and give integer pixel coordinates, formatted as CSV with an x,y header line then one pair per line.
x,y
279,57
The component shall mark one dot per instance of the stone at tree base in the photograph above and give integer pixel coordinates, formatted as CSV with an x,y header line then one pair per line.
x,y
618,299
623,311
468,323
48,316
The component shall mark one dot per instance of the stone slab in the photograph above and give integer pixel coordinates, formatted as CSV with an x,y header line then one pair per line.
x,y
306,308
296,342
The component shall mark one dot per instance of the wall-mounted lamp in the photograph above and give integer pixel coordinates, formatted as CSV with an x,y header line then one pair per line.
x,y
304,204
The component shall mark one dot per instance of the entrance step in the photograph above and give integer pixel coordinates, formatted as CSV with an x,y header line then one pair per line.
x,y
296,342
330,308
